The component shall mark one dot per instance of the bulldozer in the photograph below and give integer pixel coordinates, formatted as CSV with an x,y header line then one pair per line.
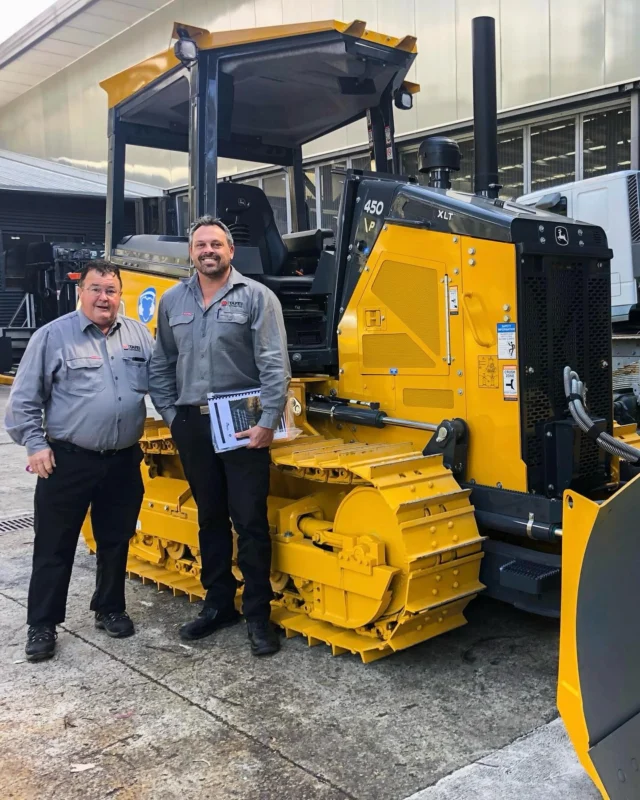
x,y
451,359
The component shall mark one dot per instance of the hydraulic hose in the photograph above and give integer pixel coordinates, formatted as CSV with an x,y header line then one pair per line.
x,y
575,391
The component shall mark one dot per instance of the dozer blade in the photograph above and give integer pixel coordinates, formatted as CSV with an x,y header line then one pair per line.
x,y
599,676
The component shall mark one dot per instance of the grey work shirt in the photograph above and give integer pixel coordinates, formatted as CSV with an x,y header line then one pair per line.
x,y
238,342
91,387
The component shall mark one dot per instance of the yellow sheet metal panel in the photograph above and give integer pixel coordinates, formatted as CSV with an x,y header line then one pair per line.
x,y
487,299
134,284
578,518
394,341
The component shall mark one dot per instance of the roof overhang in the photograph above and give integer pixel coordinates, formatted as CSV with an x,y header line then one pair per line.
x,y
62,33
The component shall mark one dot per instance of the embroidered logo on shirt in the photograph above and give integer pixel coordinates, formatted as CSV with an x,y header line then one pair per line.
x,y
135,347
232,303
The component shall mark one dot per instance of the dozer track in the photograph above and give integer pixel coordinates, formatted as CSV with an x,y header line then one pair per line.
x,y
375,546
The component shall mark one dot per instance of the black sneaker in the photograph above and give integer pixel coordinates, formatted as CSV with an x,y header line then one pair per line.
x,y
41,642
118,624
207,622
263,638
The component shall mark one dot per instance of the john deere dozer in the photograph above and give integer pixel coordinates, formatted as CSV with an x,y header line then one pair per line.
x,y
442,345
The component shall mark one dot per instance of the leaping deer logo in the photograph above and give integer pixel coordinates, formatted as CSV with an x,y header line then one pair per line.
x,y
562,235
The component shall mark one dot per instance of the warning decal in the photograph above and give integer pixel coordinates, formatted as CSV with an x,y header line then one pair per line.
x,y
510,382
453,300
507,340
488,372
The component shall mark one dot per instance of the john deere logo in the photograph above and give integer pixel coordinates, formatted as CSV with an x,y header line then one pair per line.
x,y
562,235
147,305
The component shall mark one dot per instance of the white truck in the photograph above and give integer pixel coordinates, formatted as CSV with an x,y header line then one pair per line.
x,y
613,202
610,201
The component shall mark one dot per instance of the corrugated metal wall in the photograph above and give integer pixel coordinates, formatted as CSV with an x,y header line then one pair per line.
x,y
21,212
546,49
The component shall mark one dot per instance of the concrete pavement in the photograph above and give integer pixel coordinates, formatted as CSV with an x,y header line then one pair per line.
x,y
149,717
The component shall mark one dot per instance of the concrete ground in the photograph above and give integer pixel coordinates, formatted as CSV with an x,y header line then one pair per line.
x,y
149,717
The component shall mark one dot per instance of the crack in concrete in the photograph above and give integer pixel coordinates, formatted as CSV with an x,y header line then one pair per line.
x,y
221,720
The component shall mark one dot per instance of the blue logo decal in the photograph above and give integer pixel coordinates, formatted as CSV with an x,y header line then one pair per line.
x,y
147,305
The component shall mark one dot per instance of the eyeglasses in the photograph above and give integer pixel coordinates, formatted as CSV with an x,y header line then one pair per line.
x,y
98,290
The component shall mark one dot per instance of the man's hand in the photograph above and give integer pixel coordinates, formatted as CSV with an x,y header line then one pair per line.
x,y
258,437
42,463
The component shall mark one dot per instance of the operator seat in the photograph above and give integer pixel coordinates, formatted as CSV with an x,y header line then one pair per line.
x,y
247,213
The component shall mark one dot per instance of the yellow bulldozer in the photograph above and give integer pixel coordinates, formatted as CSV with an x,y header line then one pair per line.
x,y
442,345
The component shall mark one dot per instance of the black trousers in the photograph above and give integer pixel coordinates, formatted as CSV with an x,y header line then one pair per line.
x,y
112,486
228,485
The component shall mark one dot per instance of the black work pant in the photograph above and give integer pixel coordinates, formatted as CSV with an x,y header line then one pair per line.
x,y
227,485
112,486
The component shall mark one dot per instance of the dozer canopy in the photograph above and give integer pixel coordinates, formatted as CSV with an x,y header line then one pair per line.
x,y
256,95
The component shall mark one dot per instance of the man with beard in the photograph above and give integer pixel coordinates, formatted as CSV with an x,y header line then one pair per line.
x,y
222,332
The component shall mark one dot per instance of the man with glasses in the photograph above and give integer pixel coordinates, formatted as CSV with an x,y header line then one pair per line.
x,y
78,406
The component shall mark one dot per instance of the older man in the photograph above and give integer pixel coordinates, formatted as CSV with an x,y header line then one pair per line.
x,y
77,405
223,332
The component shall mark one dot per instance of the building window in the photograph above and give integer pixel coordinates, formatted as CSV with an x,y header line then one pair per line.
x,y
275,188
310,197
361,162
331,185
553,153
511,163
409,164
463,181
606,141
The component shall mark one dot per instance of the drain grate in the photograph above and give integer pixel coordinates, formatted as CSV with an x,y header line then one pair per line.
x,y
15,524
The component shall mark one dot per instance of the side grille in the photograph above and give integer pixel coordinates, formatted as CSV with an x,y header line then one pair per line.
x,y
564,320
634,211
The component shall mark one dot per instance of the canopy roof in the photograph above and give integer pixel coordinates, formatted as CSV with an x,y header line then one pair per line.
x,y
282,86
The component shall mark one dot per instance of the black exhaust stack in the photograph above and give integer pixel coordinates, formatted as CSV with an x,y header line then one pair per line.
x,y
485,107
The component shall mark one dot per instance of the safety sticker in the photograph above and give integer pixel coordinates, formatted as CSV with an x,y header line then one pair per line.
x,y
453,301
507,340
488,372
510,382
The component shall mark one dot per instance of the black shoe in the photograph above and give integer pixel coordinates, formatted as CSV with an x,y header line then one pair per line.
x,y
207,622
263,638
118,625
41,642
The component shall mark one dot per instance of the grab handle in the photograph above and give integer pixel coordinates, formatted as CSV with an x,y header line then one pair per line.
x,y
474,331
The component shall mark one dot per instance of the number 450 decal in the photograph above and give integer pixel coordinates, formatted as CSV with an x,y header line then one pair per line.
x,y
374,207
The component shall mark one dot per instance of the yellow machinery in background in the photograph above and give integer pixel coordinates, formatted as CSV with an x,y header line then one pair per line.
x,y
438,343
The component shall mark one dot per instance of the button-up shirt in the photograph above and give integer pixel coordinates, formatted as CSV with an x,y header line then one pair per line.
x,y
237,342
75,384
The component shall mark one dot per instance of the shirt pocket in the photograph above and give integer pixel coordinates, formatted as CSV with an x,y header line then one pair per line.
x,y
137,374
182,328
85,376
231,328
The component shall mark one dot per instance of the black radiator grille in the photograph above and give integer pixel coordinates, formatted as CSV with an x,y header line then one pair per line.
x,y
564,312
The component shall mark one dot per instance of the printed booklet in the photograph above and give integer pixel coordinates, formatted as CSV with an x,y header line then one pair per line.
x,y
234,412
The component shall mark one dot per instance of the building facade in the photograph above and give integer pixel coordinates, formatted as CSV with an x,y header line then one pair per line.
x,y
568,82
